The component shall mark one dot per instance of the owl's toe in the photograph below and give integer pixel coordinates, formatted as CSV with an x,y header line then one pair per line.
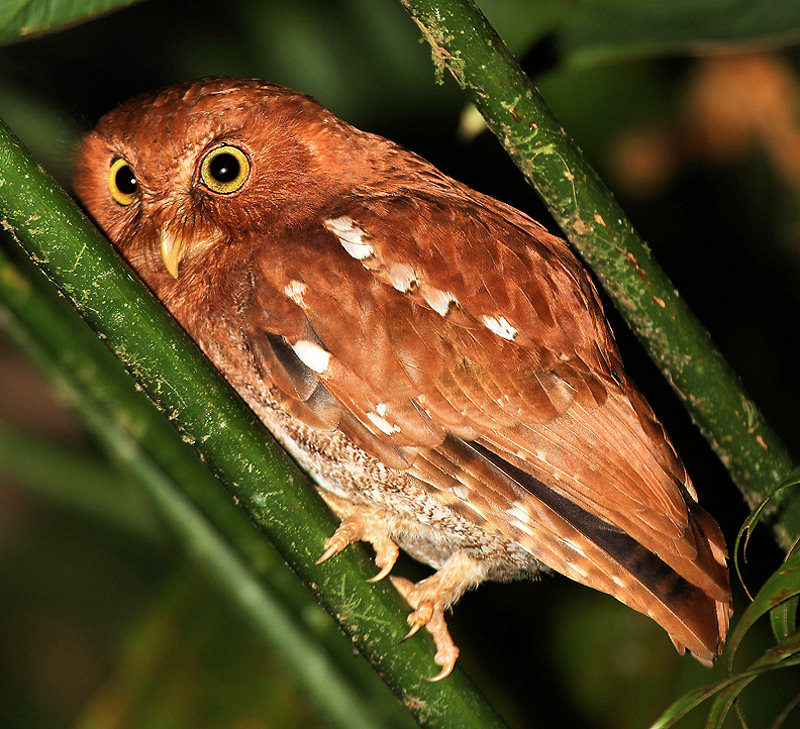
x,y
348,531
362,522
446,651
386,553
428,613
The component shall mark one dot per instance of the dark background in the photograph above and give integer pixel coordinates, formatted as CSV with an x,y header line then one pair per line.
x,y
101,622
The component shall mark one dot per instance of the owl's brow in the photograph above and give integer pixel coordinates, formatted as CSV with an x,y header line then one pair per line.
x,y
221,132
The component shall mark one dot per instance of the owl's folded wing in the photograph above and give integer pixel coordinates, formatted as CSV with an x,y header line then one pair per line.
x,y
480,361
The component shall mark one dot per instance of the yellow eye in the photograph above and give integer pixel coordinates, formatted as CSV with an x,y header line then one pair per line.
x,y
225,169
122,182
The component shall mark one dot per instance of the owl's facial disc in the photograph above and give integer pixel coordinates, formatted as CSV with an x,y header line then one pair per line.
x,y
223,171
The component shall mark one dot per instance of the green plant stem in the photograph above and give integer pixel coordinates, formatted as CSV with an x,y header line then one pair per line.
x,y
464,43
217,534
273,491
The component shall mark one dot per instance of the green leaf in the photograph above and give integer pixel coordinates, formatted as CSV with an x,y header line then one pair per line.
x,y
783,618
782,656
781,586
590,32
688,702
743,536
780,720
608,30
30,18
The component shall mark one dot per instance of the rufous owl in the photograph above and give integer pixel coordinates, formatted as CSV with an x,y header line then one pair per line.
x,y
435,359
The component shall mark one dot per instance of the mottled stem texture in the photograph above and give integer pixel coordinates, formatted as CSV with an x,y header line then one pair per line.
x,y
276,495
464,43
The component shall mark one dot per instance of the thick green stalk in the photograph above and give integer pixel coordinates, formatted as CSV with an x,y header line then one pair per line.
x,y
217,534
273,491
466,45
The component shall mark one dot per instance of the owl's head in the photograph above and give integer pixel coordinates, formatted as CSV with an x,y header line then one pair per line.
x,y
170,176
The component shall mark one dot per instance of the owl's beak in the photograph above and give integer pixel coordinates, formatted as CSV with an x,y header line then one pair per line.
x,y
171,250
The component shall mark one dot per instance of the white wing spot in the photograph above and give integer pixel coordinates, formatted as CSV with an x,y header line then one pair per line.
x,y
350,236
382,424
462,492
439,300
312,355
518,512
295,290
402,276
500,327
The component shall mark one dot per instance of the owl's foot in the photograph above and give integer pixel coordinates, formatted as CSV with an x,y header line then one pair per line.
x,y
361,524
428,614
386,553
430,597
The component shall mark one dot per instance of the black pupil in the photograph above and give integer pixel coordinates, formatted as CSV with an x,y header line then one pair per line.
x,y
125,180
224,167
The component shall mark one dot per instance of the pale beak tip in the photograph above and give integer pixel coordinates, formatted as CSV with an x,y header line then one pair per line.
x,y
171,251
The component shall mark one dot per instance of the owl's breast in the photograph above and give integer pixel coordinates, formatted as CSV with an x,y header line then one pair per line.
x,y
423,525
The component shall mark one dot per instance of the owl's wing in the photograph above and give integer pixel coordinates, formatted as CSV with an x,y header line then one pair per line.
x,y
469,348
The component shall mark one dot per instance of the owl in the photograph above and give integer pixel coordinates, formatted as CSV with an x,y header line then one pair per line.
x,y
435,359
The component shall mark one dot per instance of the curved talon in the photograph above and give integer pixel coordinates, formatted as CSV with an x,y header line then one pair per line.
x,y
334,545
447,669
446,651
413,631
386,553
328,553
350,530
430,615
385,570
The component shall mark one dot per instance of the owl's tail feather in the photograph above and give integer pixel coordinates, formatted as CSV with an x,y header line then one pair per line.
x,y
693,619
564,536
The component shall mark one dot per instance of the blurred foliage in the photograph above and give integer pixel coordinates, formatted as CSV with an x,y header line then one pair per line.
x,y
102,624
29,18
217,676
